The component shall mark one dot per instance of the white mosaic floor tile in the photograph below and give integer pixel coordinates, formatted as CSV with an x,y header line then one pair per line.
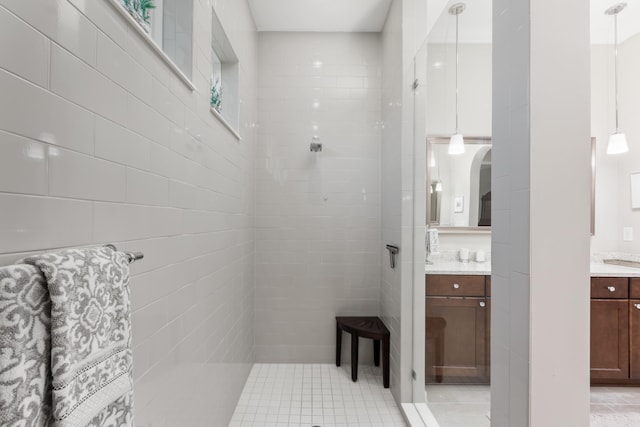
x,y
306,395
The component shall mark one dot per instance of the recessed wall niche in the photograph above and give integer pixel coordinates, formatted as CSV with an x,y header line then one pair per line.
x,y
225,104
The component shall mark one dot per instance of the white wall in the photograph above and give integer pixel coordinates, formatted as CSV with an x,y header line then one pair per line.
x,y
101,143
474,89
613,195
317,214
608,231
540,260
559,120
629,69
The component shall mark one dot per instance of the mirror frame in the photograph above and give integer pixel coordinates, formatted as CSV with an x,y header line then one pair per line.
x,y
593,186
445,140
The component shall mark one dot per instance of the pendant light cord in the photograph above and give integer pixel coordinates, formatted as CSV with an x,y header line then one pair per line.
x,y
457,58
615,26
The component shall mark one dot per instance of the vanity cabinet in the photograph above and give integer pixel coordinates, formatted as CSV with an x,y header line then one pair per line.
x,y
634,330
457,329
615,330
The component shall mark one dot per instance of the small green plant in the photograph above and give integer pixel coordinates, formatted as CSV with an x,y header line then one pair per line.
x,y
139,9
145,7
216,94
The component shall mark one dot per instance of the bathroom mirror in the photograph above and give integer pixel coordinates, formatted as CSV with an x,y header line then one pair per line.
x,y
459,186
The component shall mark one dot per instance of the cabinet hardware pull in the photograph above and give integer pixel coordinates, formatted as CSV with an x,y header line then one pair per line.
x,y
482,304
637,306
456,286
611,288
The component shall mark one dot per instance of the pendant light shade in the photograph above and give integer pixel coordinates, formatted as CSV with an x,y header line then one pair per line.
x,y
617,141
617,144
456,144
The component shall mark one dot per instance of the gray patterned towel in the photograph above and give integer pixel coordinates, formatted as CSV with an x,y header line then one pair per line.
x,y
25,347
90,332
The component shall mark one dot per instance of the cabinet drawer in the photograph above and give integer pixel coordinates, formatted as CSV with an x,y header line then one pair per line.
x,y
634,288
609,287
449,285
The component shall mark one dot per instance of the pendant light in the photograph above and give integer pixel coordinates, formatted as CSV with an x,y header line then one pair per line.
x,y
456,144
617,141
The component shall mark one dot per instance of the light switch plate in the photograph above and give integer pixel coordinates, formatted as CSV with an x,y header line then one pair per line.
x,y
627,234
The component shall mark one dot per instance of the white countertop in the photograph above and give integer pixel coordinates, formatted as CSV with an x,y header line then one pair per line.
x,y
598,269
608,270
457,267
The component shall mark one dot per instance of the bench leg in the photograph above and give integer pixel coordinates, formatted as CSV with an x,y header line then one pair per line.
x,y
385,362
354,357
376,352
338,344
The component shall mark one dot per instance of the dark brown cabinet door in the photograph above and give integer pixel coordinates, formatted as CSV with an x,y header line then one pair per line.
x,y
609,339
488,340
456,340
488,292
634,339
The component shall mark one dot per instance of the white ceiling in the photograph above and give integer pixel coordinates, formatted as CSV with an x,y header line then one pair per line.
x,y
320,15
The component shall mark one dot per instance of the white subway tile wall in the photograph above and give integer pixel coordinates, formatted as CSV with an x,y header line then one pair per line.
x,y
100,143
391,170
317,214
510,315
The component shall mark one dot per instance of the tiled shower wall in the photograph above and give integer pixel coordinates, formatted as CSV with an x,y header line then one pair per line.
x,y
391,172
317,214
101,142
403,156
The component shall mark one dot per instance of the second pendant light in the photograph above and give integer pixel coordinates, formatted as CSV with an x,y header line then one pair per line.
x,y
456,144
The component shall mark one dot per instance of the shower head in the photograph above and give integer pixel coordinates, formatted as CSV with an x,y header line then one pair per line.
x,y
316,145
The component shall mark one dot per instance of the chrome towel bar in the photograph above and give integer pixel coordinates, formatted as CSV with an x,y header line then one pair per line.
x,y
131,256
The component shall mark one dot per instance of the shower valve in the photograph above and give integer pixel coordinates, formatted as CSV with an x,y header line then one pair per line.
x,y
316,145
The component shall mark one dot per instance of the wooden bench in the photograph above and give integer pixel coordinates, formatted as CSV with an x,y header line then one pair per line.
x,y
365,327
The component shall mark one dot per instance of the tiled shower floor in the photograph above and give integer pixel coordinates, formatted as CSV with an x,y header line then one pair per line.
x,y
308,395
288,395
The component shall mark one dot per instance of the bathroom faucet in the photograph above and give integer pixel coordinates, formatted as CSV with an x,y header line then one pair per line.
x,y
432,245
